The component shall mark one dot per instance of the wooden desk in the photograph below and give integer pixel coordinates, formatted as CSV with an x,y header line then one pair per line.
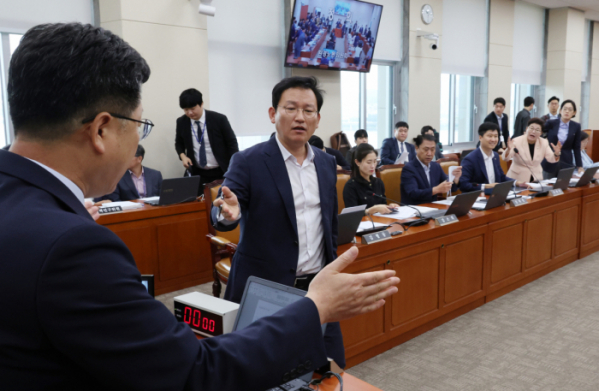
x,y
350,383
447,271
168,242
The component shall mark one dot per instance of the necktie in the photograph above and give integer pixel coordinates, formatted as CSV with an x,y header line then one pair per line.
x,y
203,160
401,148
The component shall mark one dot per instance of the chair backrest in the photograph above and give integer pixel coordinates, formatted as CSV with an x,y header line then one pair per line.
x,y
391,177
464,154
449,157
445,165
504,165
342,178
210,194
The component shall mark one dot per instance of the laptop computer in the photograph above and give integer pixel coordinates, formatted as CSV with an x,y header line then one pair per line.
x,y
177,190
460,206
263,298
586,177
497,197
563,178
349,222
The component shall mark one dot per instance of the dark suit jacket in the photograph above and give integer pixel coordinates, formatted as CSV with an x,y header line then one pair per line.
x,y
126,191
572,144
521,123
85,321
339,158
474,172
390,151
505,130
268,241
222,138
415,188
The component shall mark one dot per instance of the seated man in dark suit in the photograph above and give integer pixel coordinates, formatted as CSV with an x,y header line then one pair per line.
x,y
204,139
360,137
393,147
138,181
427,129
422,179
481,169
497,116
342,164
85,321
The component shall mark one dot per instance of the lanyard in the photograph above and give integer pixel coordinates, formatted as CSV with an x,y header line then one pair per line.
x,y
198,139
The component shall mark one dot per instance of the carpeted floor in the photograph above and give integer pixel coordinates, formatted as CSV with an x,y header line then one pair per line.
x,y
543,336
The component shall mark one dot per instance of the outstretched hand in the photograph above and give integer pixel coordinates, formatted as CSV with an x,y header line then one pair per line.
x,y
229,203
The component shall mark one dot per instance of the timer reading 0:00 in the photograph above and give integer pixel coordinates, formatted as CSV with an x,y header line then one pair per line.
x,y
194,318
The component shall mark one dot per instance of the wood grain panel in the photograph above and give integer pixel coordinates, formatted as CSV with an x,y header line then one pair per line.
x,y
506,258
418,291
590,222
363,327
539,233
463,269
566,230
141,242
178,255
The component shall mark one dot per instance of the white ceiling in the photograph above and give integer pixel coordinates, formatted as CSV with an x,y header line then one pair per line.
x,y
591,7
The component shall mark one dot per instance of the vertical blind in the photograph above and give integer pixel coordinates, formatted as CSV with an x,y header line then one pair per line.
x,y
529,36
464,40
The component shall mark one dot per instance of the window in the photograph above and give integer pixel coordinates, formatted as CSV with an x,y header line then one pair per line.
x,y
518,93
367,103
8,45
457,109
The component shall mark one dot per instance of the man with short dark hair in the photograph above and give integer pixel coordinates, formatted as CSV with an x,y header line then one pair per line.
x,y
553,106
204,139
76,315
394,147
138,182
481,169
283,190
360,137
523,116
497,116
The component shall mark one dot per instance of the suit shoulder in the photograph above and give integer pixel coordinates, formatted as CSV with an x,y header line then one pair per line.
x,y
152,171
215,115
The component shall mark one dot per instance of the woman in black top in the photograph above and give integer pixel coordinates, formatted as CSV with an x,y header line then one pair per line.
x,y
358,190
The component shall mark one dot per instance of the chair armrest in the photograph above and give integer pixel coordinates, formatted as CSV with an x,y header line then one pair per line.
x,y
217,240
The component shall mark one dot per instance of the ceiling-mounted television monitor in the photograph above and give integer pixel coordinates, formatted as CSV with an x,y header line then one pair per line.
x,y
338,35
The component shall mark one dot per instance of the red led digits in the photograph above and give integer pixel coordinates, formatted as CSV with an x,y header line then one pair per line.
x,y
187,315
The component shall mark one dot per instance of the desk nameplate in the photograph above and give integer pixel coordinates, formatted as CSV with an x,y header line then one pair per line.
x,y
376,237
555,192
445,220
518,201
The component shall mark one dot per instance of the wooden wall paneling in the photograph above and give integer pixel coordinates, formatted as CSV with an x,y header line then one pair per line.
x,y
539,233
463,267
589,234
140,239
360,331
594,144
566,233
506,257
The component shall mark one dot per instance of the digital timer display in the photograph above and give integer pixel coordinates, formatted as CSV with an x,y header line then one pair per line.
x,y
201,321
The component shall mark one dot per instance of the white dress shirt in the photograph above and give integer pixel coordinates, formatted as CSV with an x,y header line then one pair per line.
x,y
66,181
500,121
306,198
427,170
402,145
210,159
489,167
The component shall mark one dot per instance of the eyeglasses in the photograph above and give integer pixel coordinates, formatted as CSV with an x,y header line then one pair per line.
x,y
531,129
293,111
143,129
567,109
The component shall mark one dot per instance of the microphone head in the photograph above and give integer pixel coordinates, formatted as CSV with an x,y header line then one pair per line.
x,y
516,150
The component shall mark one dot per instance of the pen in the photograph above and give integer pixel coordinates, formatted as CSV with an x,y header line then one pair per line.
x,y
220,207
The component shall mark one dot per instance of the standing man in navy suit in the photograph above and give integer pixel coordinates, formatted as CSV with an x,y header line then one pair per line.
x,y
422,179
81,318
497,116
393,147
481,169
138,181
284,190
204,139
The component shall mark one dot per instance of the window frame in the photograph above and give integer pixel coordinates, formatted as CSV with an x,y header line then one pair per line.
x,y
451,120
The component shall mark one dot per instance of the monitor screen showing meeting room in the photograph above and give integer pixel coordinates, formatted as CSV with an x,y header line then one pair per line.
x,y
333,34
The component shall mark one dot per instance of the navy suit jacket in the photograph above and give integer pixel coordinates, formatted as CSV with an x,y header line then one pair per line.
x,y
126,190
268,242
390,151
505,130
415,188
474,172
339,159
572,144
82,320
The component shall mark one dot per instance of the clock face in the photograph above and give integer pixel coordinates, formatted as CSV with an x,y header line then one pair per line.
x,y
427,14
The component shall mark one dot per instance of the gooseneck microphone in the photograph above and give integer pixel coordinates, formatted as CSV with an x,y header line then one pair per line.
x,y
421,220
541,193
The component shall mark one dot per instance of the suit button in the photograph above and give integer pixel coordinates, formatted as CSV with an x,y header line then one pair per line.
x,y
286,377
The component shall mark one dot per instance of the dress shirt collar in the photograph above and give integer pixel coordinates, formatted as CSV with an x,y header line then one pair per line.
x,y
564,125
66,181
499,117
142,172
288,156
426,168
485,156
551,116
